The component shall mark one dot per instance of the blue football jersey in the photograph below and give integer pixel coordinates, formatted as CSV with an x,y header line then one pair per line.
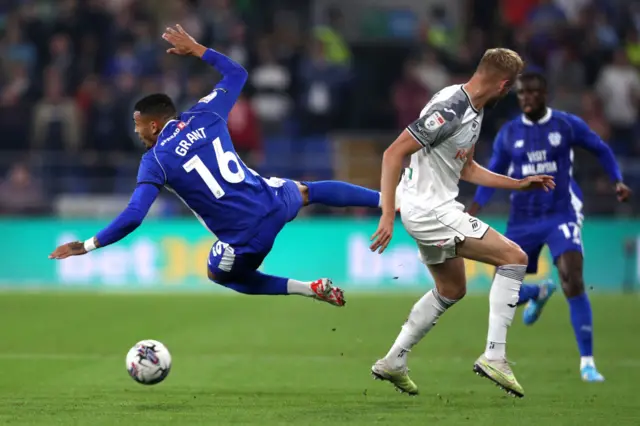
x,y
523,148
195,158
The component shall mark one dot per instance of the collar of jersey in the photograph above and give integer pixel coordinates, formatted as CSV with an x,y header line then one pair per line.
x,y
166,124
545,118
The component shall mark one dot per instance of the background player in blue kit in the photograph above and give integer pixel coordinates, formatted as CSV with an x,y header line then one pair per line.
x,y
192,155
541,141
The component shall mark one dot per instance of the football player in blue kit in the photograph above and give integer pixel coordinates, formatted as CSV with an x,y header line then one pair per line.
x,y
192,155
541,141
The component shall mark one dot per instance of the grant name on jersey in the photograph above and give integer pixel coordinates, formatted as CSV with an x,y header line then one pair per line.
x,y
184,145
538,164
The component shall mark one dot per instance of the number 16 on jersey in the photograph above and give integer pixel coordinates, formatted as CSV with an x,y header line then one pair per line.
x,y
223,158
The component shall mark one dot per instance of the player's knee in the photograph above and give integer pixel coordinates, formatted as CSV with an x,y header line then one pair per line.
x,y
515,256
453,293
572,283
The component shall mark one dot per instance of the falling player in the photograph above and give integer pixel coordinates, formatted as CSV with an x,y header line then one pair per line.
x,y
192,155
441,145
541,140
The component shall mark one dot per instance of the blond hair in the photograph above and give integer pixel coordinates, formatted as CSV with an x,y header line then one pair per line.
x,y
501,60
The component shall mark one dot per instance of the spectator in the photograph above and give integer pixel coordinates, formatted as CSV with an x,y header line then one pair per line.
x,y
566,69
619,89
440,31
21,193
87,95
334,46
515,12
16,48
146,48
592,115
61,58
606,33
572,9
245,132
17,84
431,73
237,47
125,61
220,19
410,95
15,109
271,82
56,122
632,47
320,81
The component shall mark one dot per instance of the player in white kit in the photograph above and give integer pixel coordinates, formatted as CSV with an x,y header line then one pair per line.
x,y
441,145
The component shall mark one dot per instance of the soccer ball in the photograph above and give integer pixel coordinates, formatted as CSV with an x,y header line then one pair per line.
x,y
148,362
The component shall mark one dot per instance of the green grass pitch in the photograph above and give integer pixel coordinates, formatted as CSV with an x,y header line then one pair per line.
x,y
292,361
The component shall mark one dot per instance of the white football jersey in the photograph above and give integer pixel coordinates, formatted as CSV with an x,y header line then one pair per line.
x,y
447,129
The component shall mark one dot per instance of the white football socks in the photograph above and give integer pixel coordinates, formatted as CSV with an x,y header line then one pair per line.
x,y
302,288
423,316
503,300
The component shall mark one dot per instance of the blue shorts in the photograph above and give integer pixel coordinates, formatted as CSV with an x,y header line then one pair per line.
x,y
227,262
561,233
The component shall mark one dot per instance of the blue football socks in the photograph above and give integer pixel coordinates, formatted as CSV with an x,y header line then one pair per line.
x,y
528,292
257,283
341,194
582,322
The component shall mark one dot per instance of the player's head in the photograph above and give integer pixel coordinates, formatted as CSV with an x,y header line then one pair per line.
x,y
531,88
150,115
498,70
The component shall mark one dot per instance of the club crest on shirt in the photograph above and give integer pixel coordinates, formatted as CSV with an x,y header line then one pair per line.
x,y
519,144
555,138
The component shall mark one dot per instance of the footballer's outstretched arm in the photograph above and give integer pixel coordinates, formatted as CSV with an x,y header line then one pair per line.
x,y
151,177
586,138
234,76
132,216
476,174
499,163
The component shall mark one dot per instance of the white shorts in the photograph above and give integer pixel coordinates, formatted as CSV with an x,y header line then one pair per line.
x,y
439,231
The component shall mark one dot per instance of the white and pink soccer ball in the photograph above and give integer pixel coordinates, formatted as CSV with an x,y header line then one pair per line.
x,y
148,362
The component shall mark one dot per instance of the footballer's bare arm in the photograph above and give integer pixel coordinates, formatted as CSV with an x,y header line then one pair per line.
x,y
402,147
476,174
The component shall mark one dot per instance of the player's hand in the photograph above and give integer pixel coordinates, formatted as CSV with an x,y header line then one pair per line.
x,y
183,43
537,182
623,192
75,248
382,236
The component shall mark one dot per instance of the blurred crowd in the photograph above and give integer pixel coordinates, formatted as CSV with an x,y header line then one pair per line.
x,y
70,71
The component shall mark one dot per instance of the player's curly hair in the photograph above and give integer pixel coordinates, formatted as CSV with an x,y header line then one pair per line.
x,y
158,104
504,61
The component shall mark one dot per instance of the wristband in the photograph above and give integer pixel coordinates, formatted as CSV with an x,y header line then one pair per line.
x,y
90,244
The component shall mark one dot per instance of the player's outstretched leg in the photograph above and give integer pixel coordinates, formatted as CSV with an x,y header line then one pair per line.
x,y
497,250
570,266
335,193
257,283
450,287
535,303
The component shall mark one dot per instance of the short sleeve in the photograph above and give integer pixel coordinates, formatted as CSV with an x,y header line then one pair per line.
x,y
438,124
150,170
